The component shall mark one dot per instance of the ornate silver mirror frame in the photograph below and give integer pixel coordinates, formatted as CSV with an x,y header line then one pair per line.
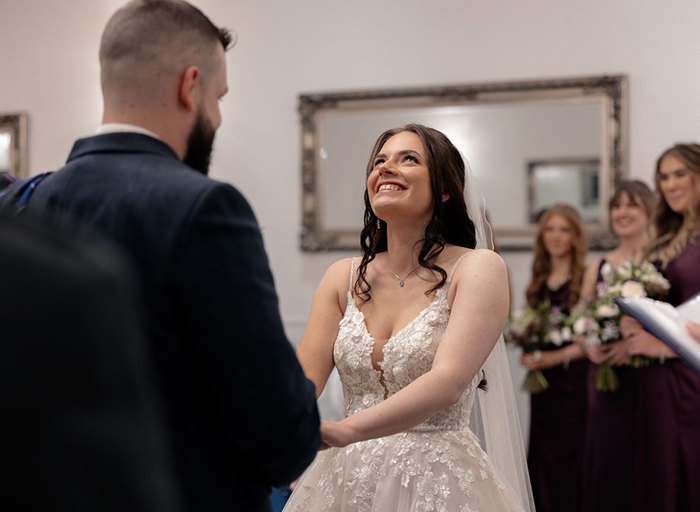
x,y
338,130
13,144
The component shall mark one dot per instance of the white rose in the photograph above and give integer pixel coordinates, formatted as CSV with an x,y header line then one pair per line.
x,y
614,290
580,325
607,270
608,310
625,270
632,289
566,334
555,337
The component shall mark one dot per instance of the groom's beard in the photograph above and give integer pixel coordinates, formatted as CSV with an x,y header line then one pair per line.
x,y
200,144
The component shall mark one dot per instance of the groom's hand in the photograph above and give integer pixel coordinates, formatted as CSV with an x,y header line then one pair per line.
x,y
335,434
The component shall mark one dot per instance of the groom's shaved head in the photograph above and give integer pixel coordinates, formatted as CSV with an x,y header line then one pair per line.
x,y
149,43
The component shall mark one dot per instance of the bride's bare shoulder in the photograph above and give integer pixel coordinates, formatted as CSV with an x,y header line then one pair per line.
x,y
475,258
340,270
480,266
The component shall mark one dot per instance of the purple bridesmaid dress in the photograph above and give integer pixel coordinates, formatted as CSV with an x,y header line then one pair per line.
x,y
667,462
557,424
609,455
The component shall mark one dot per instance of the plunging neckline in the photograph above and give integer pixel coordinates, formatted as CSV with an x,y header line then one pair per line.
x,y
391,338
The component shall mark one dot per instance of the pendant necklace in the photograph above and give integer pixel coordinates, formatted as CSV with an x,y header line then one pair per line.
x,y
401,279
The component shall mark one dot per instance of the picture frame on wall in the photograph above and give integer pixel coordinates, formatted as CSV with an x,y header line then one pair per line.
x,y
13,144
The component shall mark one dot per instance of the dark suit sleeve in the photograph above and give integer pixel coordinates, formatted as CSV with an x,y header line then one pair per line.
x,y
81,428
267,406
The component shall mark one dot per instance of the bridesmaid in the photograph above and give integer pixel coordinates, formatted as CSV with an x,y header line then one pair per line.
x,y
667,461
557,415
609,448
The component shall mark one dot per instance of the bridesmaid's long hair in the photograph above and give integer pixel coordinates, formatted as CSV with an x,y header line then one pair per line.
x,y
542,263
669,234
450,222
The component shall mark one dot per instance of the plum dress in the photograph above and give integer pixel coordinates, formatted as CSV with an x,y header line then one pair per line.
x,y
667,457
608,460
557,428
435,466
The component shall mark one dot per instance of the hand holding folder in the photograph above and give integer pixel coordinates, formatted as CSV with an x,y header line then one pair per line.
x,y
668,323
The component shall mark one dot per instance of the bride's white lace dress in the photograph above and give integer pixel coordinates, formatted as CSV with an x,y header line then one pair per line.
x,y
435,466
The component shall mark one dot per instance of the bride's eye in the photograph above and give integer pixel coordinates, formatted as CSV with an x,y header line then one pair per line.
x,y
410,158
379,161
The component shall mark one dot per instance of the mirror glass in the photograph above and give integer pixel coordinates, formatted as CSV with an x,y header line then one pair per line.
x,y
529,144
576,182
13,144
5,140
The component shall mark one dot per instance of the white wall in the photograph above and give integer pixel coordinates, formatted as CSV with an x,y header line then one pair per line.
x,y
48,67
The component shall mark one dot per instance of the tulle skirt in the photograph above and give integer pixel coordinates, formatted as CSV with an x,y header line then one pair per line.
x,y
440,471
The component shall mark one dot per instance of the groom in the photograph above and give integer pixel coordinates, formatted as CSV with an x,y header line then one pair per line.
x,y
240,413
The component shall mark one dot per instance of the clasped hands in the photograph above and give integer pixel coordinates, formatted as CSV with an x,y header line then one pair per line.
x,y
335,434
609,354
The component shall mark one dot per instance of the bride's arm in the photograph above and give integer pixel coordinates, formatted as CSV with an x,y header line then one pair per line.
x,y
478,314
315,352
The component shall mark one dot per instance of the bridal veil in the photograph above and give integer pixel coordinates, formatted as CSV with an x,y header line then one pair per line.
x,y
494,417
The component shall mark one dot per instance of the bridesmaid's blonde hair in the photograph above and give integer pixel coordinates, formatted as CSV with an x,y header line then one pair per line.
x,y
670,233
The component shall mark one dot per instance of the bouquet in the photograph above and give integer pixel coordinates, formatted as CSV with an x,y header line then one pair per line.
x,y
535,329
599,321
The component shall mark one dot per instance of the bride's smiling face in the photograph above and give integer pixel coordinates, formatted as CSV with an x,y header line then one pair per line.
x,y
399,182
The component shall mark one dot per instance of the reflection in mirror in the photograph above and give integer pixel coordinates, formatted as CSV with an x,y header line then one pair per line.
x,y
5,140
502,130
13,144
575,182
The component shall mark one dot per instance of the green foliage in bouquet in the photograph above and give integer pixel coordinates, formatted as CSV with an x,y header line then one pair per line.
x,y
534,329
599,321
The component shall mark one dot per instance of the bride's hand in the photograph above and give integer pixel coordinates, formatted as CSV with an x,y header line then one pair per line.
x,y
335,434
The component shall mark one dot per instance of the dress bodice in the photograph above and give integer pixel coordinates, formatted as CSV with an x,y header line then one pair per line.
x,y
437,466
558,297
407,355
682,273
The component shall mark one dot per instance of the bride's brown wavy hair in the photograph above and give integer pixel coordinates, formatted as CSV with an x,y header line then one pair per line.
x,y
542,263
450,222
670,235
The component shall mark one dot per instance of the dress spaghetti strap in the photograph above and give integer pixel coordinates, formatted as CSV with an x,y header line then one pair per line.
x,y
352,272
454,267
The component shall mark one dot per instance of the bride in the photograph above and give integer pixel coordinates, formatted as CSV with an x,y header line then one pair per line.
x,y
414,329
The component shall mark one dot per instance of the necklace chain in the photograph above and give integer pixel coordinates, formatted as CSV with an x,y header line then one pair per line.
x,y
401,279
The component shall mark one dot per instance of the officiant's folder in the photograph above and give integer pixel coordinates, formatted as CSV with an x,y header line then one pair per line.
x,y
668,323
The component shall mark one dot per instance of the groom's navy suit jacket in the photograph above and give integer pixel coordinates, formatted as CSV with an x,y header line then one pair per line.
x,y
241,415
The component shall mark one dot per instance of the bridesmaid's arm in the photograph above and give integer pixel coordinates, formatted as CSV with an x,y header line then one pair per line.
x,y
551,358
315,352
590,280
478,315
640,342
